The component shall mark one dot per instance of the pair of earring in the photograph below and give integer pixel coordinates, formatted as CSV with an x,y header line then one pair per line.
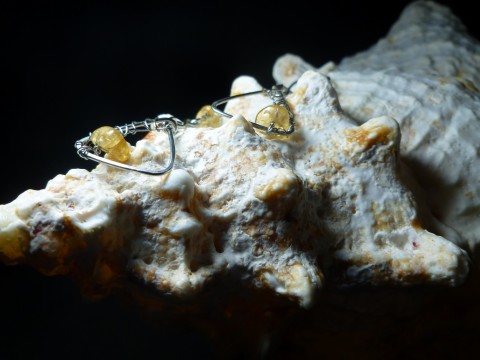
x,y
275,119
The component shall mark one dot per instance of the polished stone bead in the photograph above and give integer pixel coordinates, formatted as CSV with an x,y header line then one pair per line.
x,y
276,114
112,142
208,118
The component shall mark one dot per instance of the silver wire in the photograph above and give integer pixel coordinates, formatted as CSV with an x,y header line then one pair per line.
x,y
277,94
89,151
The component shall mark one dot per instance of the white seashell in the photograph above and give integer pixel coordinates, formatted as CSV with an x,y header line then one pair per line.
x,y
426,75
277,213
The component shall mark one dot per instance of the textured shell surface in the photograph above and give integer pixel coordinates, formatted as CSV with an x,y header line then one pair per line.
x,y
379,183
425,74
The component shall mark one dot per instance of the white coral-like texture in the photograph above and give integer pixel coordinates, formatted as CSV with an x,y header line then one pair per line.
x,y
378,185
426,75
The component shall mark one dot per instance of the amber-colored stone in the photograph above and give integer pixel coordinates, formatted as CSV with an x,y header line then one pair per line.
x,y
111,141
276,114
208,118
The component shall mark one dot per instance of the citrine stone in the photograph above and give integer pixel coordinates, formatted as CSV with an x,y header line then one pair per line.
x,y
276,114
111,141
208,118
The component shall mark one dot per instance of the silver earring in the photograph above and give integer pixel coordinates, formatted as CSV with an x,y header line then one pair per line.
x,y
274,119
111,140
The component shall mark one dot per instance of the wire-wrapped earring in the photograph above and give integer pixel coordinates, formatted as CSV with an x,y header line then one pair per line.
x,y
274,119
111,141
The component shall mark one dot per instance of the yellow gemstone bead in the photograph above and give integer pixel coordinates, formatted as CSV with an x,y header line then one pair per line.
x,y
111,141
276,114
208,118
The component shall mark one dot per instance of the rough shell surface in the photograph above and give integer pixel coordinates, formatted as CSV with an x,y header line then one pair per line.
x,y
332,201
426,75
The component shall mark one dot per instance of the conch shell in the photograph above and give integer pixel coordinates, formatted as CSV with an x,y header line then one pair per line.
x,y
424,74
378,185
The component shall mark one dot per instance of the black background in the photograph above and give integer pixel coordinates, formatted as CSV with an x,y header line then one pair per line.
x,y
69,67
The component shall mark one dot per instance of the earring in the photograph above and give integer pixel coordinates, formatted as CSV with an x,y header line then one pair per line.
x,y
111,141
274,119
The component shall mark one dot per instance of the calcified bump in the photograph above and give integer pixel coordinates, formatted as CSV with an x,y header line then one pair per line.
x,y
208,118
278,185
276,217
274,115
111,141
371,133
244,105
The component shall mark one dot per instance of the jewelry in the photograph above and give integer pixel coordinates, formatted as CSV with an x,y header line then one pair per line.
x,y
111,140
274,119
